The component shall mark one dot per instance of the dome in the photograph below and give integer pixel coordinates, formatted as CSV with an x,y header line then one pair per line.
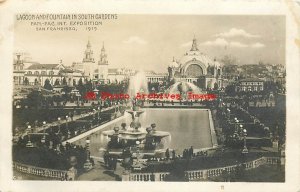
x,y
196,56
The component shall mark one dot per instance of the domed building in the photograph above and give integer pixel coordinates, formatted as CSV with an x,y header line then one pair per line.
x,y
196,67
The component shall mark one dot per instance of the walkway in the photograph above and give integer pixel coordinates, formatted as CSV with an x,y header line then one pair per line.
x,y
100,173
56,123
85,134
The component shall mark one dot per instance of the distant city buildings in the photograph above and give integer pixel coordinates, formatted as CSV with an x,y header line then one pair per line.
x,y
96,71
250,84
193,67
154,77
99,72
37,74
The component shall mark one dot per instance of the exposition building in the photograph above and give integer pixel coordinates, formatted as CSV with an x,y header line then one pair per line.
x,y
198,68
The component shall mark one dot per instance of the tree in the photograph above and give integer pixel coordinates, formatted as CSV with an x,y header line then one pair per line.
x,y
229,60
26,81
47,85
216,86
81,87
36,81
64,82
56,82
89,85
34,99
80,82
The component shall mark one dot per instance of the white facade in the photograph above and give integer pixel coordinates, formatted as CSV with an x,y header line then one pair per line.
x,y
37,74
88,61
195,66
102,65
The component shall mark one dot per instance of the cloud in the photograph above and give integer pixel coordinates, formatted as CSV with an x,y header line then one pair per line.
x,y
135,40
237,44
221,42
188,44
233,32
217,42
257,45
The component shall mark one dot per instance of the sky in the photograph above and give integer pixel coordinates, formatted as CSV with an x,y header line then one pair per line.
x,y
149,42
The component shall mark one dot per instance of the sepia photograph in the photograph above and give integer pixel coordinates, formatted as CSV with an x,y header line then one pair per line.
x,y
100,97
134,95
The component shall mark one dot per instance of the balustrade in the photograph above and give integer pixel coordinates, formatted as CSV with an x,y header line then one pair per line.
x,y
44,172
207,173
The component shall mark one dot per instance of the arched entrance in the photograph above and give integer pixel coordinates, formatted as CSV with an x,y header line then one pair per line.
x,y
194,70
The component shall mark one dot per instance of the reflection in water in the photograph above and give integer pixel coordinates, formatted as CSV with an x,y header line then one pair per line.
x,y
188,127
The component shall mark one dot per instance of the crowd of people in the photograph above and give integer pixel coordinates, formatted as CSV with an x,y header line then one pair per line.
x,y
60,157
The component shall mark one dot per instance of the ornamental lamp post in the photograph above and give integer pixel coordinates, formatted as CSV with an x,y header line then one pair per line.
x,y
78,95
35,125
98,115
43,140
236,124
137,146
58,119
29,143
138,164
228,110
245,150
241,130
87,165
137,142
94,117
96,92
68,132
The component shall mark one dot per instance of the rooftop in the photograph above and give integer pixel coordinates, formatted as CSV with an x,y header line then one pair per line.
x,y
42,66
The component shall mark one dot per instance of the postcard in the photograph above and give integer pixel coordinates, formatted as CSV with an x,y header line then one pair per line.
x,y
149,95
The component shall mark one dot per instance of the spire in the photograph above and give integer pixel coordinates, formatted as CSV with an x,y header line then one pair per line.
x,y
103,49
194,45
88,44
88,54
103,56
173,59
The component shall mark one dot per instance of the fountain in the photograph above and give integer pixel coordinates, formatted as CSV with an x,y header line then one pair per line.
x,y
148,139
134,142
183,87
138,84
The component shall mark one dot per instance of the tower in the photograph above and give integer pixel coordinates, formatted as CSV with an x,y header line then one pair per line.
x,y
103,65
194,45
88,61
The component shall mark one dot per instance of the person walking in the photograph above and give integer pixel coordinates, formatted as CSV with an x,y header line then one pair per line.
x,y
191,151
105,157
167,154
184,153
173,154
114,164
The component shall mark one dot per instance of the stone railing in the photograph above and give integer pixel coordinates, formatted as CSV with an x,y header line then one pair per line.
x,y
206,174
212,130
43,172
203,174
145,176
